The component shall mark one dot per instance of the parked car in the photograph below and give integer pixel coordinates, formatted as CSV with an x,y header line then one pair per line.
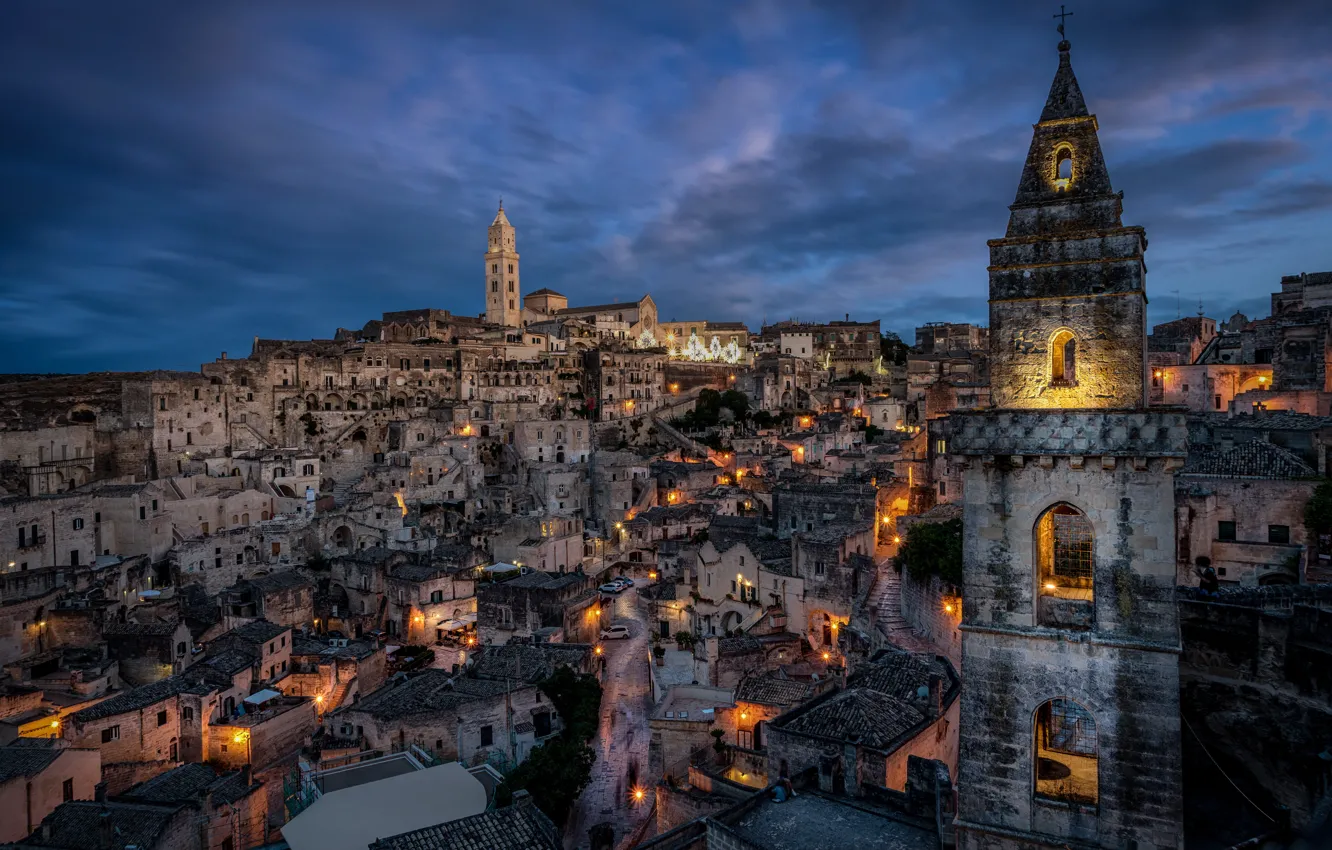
x,y
616,632
611,587
625,581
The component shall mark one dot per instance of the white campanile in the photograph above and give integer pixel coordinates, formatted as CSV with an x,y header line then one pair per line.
x,y
504,299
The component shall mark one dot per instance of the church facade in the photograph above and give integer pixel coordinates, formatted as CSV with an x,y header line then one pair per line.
x,y
1070,725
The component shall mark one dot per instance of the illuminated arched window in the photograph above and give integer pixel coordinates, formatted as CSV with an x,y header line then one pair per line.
x,y
1065,547
1063,167
1064,358
1066,753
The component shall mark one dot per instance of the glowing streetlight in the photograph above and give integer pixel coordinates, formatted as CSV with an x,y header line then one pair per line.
x,y
638,794
827,656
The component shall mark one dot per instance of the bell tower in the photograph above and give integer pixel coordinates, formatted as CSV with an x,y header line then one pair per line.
x,y
1067,298
504,299
1069,734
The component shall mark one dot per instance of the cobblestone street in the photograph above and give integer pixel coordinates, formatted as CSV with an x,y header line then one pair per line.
x,y
621,743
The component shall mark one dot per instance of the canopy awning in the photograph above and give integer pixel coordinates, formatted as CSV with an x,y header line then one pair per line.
x,y
457,623
262,697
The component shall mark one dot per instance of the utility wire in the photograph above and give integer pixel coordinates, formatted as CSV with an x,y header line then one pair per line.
x,y
1223,773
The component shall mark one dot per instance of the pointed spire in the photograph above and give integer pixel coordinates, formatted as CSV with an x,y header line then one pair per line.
x,y
1065,100
500,217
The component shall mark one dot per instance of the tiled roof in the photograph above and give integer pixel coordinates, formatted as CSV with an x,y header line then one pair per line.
x,y
861,716
284,580
1277,420
432,691
25,761
78,825
133,700
901,674
1254,459
255,632
517,827
418,572
525,662
156,628
769,690
184,784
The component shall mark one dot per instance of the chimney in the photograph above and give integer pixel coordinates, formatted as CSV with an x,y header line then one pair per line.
x,y
99,792
245,775
848,317
46,830
936,694
522,798
224,355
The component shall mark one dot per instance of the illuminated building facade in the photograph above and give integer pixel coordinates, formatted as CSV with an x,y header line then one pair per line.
x,y
1070,724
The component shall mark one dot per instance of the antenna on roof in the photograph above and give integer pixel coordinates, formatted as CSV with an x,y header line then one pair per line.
x,y
1200,308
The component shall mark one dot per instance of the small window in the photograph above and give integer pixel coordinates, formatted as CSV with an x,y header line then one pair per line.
x,y
818,568
487,736
161,718
110,733
67,789
1278,534
1066,753
187,713
1225,530
78,523
1063,358
1063,167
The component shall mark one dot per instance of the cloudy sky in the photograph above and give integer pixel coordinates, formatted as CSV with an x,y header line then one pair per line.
x,y
174,182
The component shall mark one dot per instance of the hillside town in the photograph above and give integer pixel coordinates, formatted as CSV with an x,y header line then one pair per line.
x,y
579,576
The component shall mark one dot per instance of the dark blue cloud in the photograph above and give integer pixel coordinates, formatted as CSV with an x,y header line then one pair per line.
x,y
177,181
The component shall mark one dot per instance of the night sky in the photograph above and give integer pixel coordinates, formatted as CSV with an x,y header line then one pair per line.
x,y
176,178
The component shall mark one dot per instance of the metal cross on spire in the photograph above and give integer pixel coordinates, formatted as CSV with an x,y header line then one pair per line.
x,y
1061,16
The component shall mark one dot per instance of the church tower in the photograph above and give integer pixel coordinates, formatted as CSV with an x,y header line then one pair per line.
x,y
504,299
1070,724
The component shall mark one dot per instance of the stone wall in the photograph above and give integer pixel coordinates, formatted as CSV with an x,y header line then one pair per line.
x,y
678,806
1254,688
925,608
120,776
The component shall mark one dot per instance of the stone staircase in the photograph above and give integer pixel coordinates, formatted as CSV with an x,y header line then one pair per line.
x,y
338,694
342,492
887,608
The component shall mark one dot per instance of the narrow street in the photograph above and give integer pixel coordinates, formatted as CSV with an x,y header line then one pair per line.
x,y
621,744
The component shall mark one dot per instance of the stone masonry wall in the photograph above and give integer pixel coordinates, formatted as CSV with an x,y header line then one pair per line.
x,y
923,607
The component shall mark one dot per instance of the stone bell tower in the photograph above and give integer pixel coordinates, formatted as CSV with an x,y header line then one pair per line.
x,y
1070,725
504,298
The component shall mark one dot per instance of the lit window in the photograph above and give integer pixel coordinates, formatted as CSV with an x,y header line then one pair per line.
x,y
1066,753
1063,358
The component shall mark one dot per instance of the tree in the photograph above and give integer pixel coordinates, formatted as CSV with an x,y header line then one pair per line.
x,y
893,349
738,403
556,772
764,419
933,549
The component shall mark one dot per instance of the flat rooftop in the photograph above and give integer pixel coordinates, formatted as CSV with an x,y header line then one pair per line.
x,y
807,821
693,702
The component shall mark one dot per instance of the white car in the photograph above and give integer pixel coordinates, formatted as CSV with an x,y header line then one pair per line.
x,y
615,632
611,587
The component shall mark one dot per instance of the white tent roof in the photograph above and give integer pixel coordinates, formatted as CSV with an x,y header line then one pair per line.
x,y
353,818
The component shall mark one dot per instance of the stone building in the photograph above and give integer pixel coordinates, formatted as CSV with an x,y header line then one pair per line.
x,y
504,299
543,606
1241,508
1070,729
623,383
894,707
453,717
36,776
232,808
946,337
149,651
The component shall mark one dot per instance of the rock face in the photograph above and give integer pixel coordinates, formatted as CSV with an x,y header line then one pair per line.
x,y
1070,729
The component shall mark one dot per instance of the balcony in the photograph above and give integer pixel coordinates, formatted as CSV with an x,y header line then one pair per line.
x,y
34,542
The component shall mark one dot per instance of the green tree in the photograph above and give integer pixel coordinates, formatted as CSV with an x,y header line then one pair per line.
x,y
933,549
556,772
1318,514
738,402
893,349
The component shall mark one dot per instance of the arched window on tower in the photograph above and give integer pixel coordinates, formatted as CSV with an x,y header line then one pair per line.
x,y
1063,167
1065,549
1066,753
1064,358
